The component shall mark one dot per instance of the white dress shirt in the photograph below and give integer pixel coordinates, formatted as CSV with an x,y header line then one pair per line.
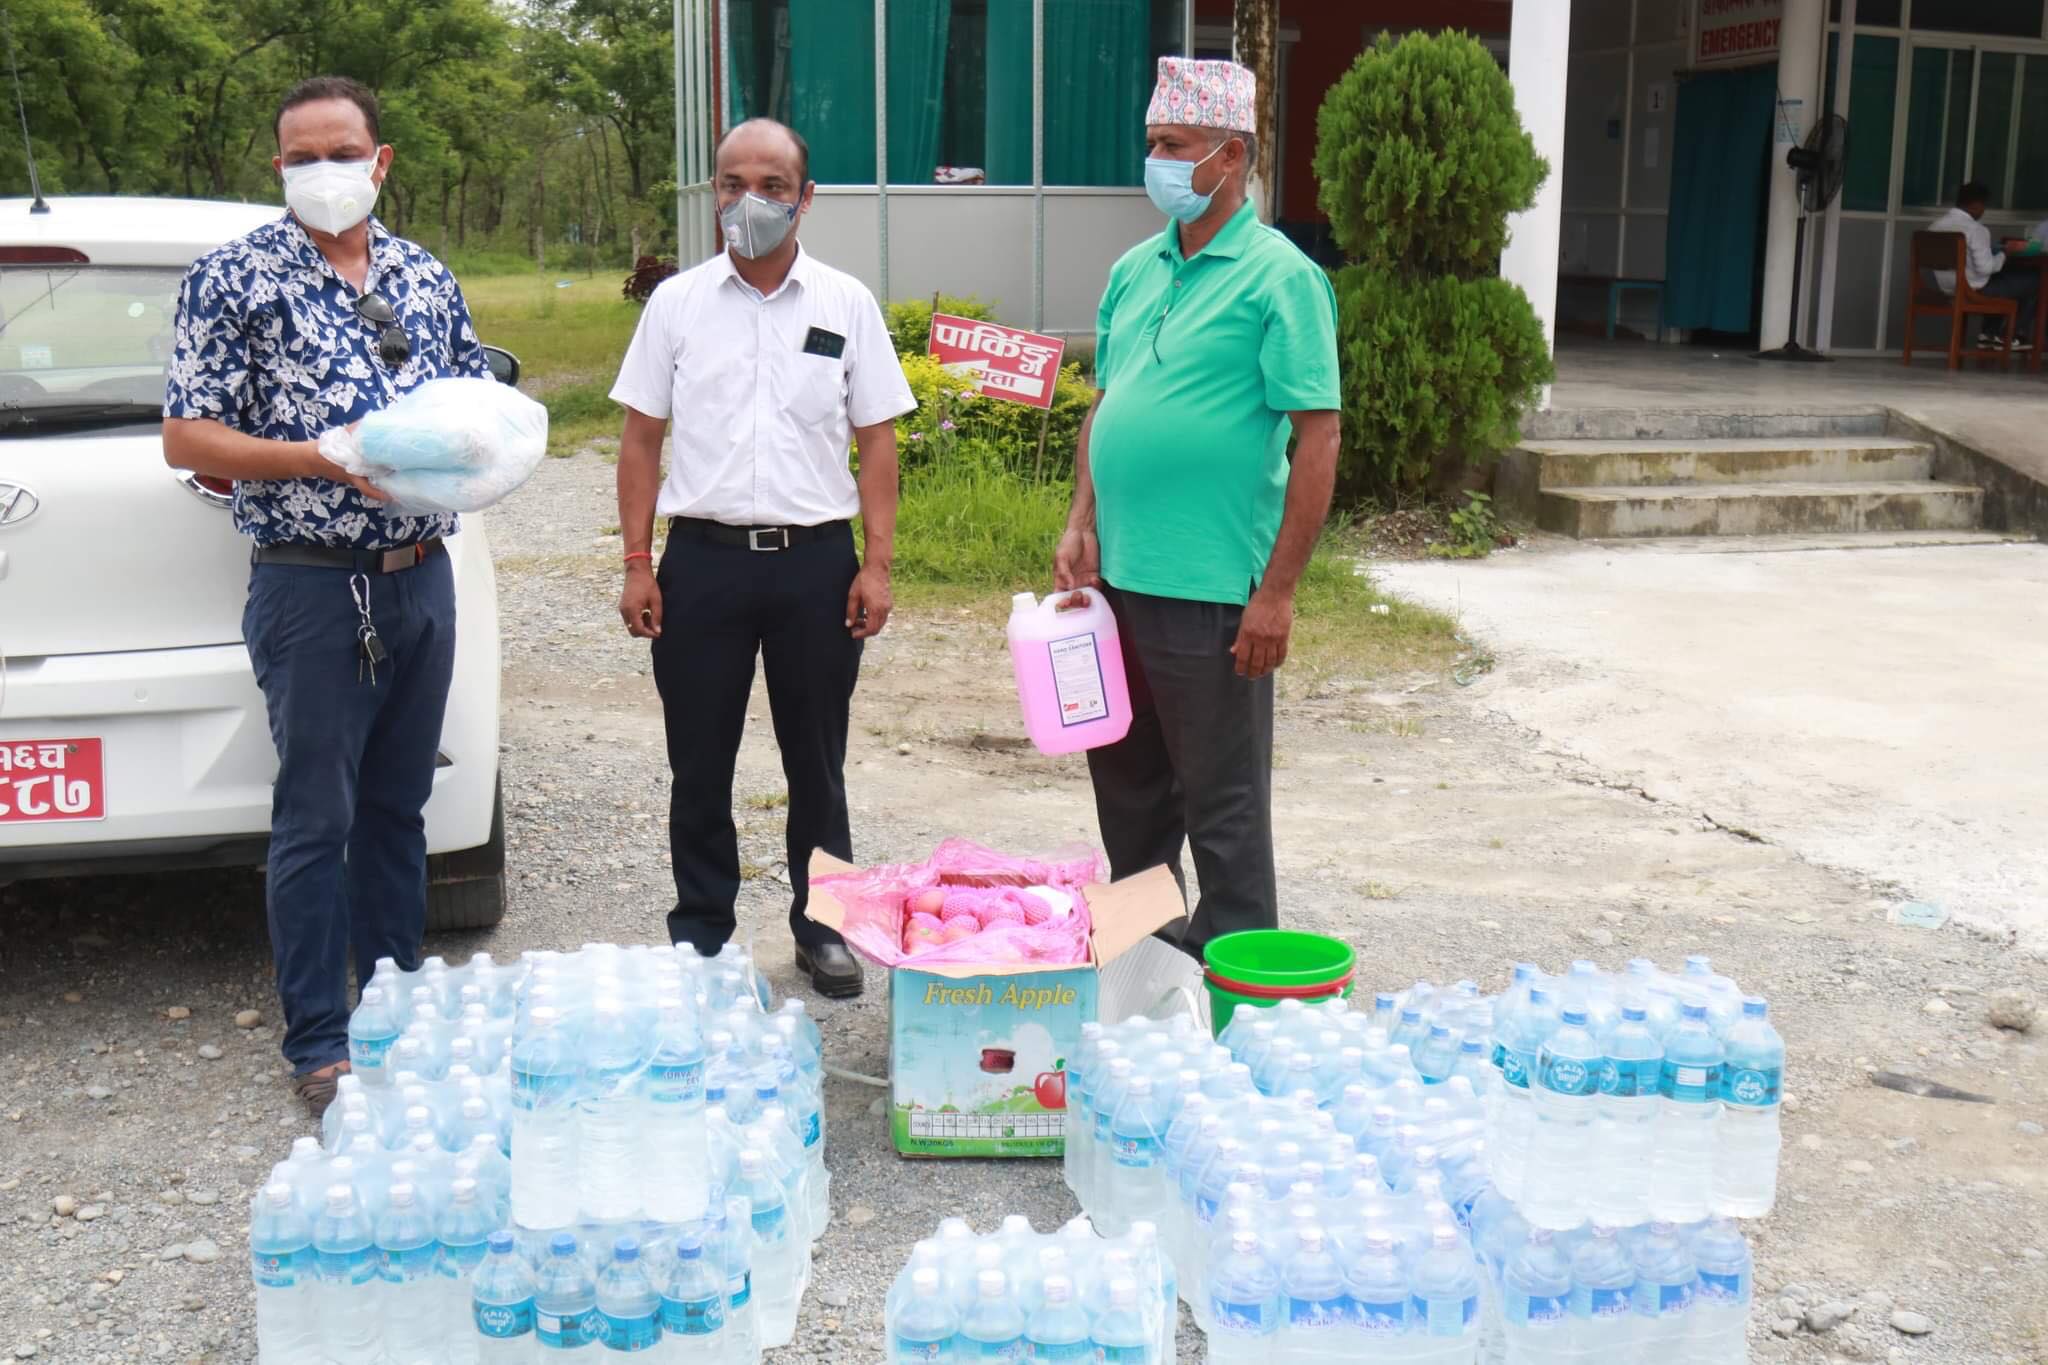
x,y
763,413
1983,263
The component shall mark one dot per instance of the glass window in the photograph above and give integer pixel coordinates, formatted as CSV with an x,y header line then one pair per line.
x,y
1937,124
1869,13
1991,147
1873,96
80,333
959,85
2030,165
2002,18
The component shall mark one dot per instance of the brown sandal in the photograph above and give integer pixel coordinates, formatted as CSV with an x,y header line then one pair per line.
x,y
316,1088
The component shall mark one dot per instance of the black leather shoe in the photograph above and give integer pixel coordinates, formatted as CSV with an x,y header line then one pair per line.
x,y
832,970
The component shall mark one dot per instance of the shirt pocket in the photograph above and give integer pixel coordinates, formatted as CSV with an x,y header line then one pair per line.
x,y
815,388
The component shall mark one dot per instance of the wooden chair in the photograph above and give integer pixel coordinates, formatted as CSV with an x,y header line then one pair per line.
x,y
1934,251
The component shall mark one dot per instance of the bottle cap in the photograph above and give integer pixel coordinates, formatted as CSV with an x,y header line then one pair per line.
x,y
1123,1293
1538,996
925,1282
501,1241
1058,1289
1023,601
562,1244
1577,1018
992,1283
1635,1014
401,1194
689,1249
463,1189
277,1194
1694,1011
626,1249
1753,1007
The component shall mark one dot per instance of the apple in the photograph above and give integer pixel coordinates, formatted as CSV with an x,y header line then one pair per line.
x,y
1050,1088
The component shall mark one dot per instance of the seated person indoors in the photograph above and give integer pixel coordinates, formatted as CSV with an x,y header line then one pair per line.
x,y
1985,267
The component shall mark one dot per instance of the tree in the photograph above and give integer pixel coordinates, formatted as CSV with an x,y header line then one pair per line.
x,y
1420,159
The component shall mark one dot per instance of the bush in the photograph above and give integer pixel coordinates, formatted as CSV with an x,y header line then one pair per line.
x,y
1420,157
972,522
910,322
951,418
648,272
1431,366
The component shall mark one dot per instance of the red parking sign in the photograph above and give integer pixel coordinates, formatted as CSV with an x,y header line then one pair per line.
x,y
1005,362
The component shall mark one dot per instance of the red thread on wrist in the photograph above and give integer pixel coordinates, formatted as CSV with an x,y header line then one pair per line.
x,y
647,555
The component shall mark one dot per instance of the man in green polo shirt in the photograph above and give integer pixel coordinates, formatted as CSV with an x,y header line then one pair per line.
x,y
1216,340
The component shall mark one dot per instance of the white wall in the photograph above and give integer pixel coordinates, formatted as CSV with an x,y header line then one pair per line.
x,y
977,240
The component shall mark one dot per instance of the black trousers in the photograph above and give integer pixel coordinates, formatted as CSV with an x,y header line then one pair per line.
x,y
720,607
1196,768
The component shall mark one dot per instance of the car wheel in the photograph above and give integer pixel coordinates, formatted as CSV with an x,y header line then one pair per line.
x,y
466,889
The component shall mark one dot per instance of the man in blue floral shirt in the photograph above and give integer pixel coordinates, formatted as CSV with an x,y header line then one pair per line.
x,y
308,324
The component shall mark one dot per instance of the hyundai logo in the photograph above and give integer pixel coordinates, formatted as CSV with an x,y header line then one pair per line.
x,y
17,504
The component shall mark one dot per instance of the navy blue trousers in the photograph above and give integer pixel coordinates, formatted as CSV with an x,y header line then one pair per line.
x,y
348,844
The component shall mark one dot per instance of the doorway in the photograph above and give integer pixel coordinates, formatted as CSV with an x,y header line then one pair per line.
x,y
1721,159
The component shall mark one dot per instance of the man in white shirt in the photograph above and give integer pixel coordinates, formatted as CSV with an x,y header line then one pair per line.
x,y
1985,268
769,361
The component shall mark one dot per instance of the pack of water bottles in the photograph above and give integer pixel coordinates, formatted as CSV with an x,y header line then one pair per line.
x,y
600,1114
1655,1294
1018,1294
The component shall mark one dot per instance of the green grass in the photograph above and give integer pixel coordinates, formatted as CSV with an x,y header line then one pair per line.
x,y
569,343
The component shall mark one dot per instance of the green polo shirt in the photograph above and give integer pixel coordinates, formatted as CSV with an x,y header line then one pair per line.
x,y
1199,362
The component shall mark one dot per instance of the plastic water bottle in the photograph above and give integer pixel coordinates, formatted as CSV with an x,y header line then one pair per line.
x,y
1446,1290
742,1318
1535,1303
462,1235
345,1248
923,1328
284,1269
1666,1279
1565,1095
1070,671
1105,1099
372,1031
1746,1166
1525,1030
608,1143
411,1303
1120,1336
1137,1133
775,1249
1245,1305
1603,1298
1689,1110
565,1315
544,1160
1627,1130
1436,1057
1058,1328
993,1326
693,1306
1316,1303
628,1308
1473,1065
1379,1305
501,1305
1721,1303
1074,1151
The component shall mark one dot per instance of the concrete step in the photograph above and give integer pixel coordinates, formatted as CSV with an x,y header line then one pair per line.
x,y
1793,543
1696,424
1755,509
1830,459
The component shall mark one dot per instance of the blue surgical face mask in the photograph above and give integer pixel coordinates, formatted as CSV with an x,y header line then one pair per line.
x,y
1171,184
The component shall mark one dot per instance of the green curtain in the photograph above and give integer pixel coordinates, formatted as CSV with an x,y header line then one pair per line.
x,y
1098,78
832,76
1720,149
742,64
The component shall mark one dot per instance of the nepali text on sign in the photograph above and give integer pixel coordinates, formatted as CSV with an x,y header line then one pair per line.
x,y
1004,362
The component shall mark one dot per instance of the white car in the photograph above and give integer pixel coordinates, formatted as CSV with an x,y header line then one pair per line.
x,y
132,733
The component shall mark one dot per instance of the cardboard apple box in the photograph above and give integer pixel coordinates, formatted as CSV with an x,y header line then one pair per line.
x,y
978,1054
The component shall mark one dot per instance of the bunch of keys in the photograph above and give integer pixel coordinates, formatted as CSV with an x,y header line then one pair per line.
x,y
370,649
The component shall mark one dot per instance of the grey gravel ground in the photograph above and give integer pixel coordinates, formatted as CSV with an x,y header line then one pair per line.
x,y
1440,840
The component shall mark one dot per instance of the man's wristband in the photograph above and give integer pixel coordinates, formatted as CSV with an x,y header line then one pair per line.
x,y
647,555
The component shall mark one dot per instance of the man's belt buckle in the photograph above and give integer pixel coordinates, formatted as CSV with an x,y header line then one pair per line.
x,y
780,532
404,557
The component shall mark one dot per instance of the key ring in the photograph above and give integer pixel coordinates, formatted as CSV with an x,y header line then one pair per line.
x,y
359,589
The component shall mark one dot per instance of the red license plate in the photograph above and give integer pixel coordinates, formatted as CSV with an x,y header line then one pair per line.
x,y
46,780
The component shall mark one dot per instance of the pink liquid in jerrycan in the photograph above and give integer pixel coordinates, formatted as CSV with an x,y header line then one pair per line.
x,y
1070,671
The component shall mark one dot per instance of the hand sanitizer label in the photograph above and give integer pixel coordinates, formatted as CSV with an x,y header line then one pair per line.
x,y
1077,678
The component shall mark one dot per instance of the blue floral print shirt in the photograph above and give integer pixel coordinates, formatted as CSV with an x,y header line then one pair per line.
x,y
268,342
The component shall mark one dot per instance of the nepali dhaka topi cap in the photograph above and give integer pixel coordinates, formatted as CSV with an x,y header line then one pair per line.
x,y
1202,94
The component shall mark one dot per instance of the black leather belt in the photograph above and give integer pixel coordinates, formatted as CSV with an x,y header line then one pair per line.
x,y
768,538
355,561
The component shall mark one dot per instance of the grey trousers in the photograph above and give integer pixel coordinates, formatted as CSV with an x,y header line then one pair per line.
x,y
1196,768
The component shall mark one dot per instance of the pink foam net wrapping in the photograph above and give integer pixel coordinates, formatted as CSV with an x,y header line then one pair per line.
x,y
980,880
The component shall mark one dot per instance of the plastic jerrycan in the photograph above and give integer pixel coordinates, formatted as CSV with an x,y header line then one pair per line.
x,y
1070,671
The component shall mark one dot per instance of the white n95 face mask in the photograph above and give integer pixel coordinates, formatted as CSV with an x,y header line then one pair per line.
x,y
331,196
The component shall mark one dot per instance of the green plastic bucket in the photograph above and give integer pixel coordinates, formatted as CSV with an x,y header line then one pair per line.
x,y
1261,967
